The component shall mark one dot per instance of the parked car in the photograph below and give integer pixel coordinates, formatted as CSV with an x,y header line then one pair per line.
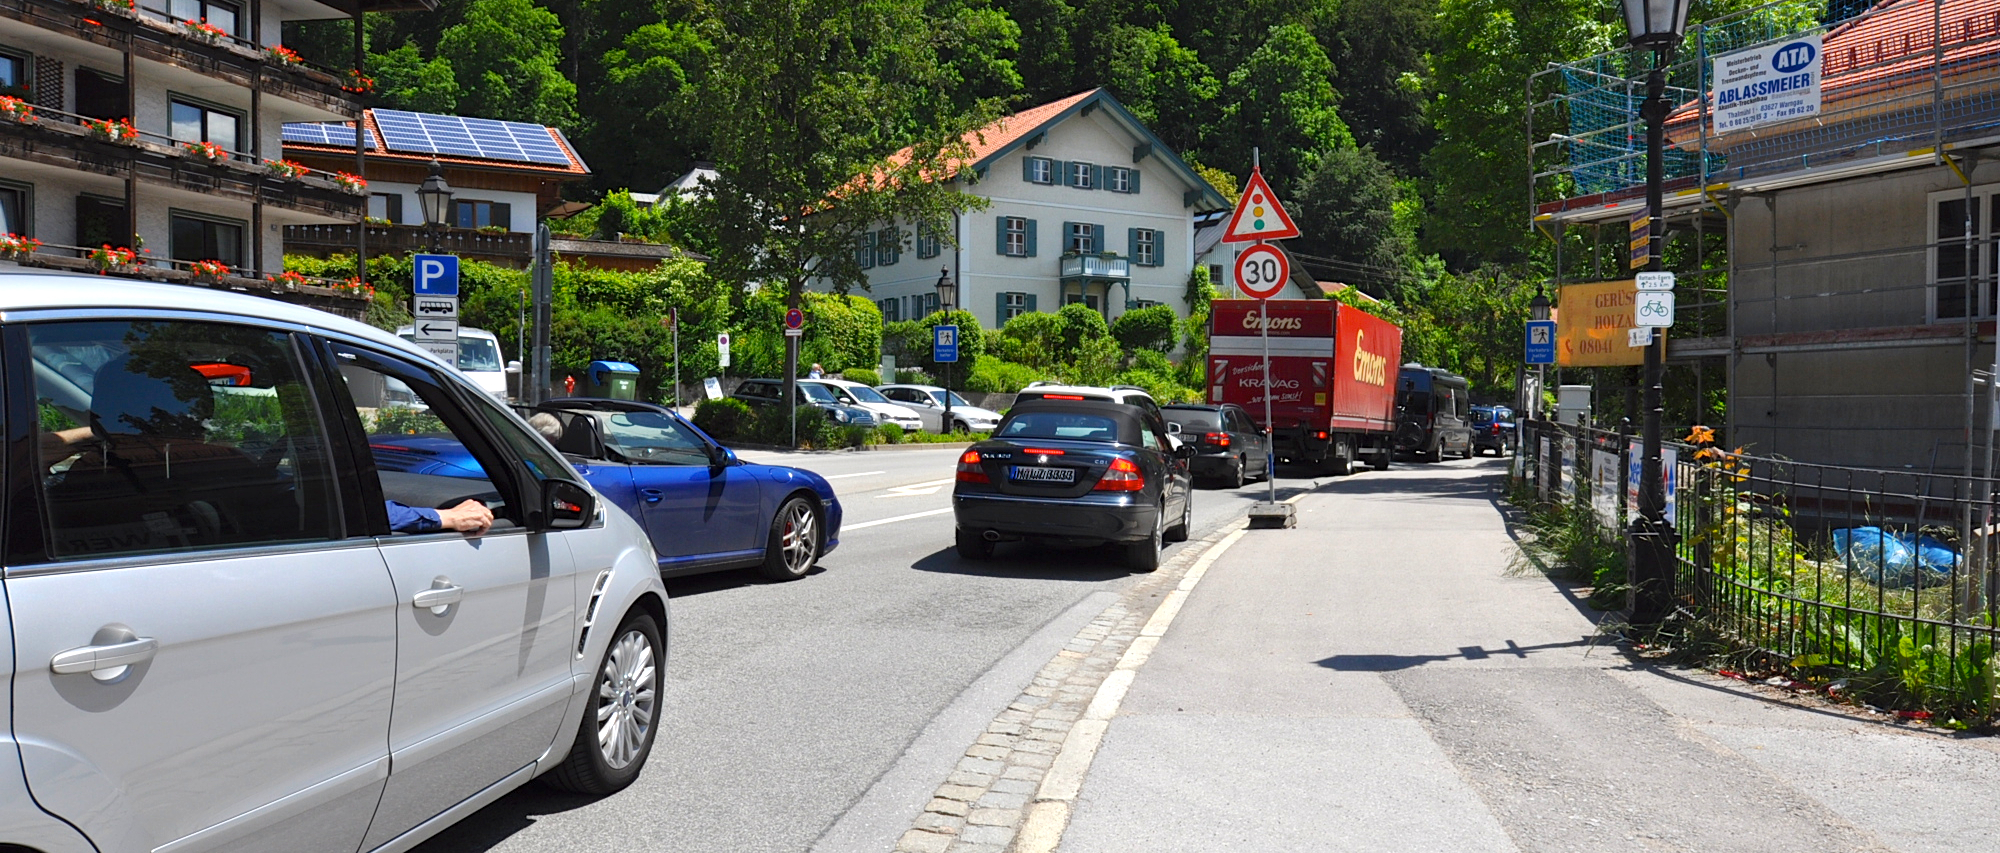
x,y
217,638
478,359
1130,394
1492,429
861,396
928,402
764,393
1433,413
1228,445
705,509
1075,472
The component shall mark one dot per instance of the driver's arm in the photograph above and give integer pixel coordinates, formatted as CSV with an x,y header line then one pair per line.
x,y
468,517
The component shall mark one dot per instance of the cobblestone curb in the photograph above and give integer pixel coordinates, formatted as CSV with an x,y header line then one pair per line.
x,y
1013,787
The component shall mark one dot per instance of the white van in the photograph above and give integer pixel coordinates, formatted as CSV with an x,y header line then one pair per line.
x,y
478,359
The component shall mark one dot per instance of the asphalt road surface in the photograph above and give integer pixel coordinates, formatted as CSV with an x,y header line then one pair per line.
x,y
819,714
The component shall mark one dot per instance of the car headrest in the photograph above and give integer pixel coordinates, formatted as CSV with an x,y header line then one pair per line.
x,y
169,400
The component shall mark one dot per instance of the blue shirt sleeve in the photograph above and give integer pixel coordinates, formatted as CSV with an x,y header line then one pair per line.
x,y
412,519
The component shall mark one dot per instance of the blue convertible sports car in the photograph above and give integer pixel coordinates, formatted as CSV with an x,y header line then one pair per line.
x,y
705,509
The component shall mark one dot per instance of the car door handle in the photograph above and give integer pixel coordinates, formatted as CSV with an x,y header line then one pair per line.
x,y
652,496
108,656
437,598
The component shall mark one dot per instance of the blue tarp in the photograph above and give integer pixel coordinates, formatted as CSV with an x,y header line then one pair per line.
x,y
1893,559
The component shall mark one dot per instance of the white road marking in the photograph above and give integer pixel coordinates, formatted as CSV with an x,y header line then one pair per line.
x,y
915,489
893,519
845,476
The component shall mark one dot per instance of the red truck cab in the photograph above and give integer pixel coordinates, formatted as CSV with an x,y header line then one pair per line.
x,y
1332,385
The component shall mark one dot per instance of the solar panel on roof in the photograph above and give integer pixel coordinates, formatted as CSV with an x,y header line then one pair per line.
x,y
488,139
323,133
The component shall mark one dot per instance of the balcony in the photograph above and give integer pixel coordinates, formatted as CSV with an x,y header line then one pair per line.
x,y
511,248
1096,266
152,34
68,140
346,298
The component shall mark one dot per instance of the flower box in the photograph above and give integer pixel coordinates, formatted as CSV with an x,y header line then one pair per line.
x,y
119,132
109,260
210,271
203,31
281,55
284,169
18,246
205,151
17,110
351,184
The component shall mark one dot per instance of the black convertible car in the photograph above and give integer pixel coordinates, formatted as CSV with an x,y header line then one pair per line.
x,y
1075,472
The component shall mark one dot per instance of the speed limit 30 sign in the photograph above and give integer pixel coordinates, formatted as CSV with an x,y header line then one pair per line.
x,y
1261,271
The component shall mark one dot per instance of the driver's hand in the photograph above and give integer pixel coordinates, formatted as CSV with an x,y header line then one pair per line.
x,y
470,517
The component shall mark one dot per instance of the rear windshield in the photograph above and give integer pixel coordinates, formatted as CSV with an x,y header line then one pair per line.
x,y
1068,425
1193,419
1482,417
865,394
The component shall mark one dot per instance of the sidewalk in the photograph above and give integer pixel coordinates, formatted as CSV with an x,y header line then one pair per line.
x,y
1374,680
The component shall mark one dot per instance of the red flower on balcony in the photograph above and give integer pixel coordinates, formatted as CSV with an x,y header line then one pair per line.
x,y
18,246
107,259
290,280
353,184
121,7
203,31
279,54
15,109
356,82
284,168
120,131
209,151
208,270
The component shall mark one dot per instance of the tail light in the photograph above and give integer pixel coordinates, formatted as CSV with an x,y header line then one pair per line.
x,y
1496,427
969,470
1321,435
1219,439
1123,476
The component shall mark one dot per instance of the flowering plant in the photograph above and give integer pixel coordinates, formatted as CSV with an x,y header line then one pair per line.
x,y
279,54
208,269
122,7
107,259
356,82
354,184
291,280
18,246
16,109
120,131
209,151
284,168
355,286
203,31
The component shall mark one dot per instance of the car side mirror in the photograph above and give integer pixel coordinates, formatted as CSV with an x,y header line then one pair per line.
x,y
1173,428
514,366
721,457
1185,451
566,505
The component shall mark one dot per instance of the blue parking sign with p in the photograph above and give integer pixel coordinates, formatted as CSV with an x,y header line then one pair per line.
x,y
944,344
436,275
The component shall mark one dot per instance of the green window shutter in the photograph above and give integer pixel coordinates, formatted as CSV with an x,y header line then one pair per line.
x,y
1159,248
1096,177
1031,238
1134,188
1068,228
1028,169
896,245
1132,243
1060,173
866,252
999,309
1000,238
1031,302
1097,239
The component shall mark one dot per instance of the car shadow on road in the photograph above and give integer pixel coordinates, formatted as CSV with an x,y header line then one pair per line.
x,y
1393,663
503,819
686,585
1029,561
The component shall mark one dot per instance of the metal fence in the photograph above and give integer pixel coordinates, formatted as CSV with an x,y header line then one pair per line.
x,y
1880,581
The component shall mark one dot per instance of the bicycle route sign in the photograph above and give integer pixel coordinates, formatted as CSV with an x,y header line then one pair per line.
x,y
1654,309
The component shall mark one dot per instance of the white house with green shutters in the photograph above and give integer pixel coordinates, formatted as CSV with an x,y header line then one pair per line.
x,y
1084,205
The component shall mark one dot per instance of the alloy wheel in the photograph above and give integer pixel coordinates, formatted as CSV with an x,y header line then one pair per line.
x,y
800,540
626,700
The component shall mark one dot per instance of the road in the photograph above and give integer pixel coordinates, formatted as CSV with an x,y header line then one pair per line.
x,y
824,711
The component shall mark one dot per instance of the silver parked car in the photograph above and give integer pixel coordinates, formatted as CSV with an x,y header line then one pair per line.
x,y
235,624
928,402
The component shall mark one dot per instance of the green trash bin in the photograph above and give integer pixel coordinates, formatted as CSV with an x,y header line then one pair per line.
x,y
616,380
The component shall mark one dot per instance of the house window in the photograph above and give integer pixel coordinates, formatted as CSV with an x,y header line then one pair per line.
x,y
102,221
1014,236
1080,238
220,15
891,309
199,238
1118,180
1081,175
1145,247
864,251
196,122
1013,305
1039,170
1086,299
888,246
1962,276
13,75
484,214
386,206
99,95
928,245
925,304
14,207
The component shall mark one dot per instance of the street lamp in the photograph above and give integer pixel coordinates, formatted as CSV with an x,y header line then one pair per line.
x,y
947,294
434,196
1654,25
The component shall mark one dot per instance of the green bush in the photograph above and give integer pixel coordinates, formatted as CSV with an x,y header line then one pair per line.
x,y
889,434
862,375
911,376
725,419
402,420
992,375
1081,324
1142,329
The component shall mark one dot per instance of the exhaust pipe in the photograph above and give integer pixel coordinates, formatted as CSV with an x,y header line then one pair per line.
x,y
991,535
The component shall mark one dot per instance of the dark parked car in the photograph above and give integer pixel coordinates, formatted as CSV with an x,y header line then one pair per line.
x,y
1433,413
763,393
1492,429
1075,472
1228,446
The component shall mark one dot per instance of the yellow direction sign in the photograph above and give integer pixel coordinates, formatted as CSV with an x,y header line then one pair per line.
x,y
1258,215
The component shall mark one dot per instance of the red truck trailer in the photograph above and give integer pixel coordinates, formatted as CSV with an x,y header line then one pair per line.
x,y
1333,378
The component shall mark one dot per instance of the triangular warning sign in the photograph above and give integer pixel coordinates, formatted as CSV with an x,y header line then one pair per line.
x,y
1258,215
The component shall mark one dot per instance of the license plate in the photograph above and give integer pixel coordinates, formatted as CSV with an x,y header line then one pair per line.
x,y
1034,474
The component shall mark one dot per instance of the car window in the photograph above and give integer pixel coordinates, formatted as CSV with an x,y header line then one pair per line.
x,y
865,394
427,453
957,402
652,438
1194,420
542,462
160,436
817,393
840,393
906,395
1070,425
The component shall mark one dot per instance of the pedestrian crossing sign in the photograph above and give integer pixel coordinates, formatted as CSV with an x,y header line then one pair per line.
x,y
1258,215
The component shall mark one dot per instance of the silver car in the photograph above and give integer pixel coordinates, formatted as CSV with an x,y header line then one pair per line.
x,y
928,402
235,624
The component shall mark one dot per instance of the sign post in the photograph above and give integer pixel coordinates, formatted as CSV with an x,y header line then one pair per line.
x,y
722,350
434,306
1541,342
944,350
1261,272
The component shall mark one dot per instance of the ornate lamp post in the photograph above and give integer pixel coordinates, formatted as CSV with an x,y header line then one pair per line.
x,y
434,196
1655,25
947,294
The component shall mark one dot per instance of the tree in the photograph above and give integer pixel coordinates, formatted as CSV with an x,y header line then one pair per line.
x,y
1081,324
1150,329
507,55
405,80
1379,48
1165,85
1281,100
649,83
1345,209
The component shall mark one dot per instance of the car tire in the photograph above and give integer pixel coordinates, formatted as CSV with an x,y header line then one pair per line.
x,y
1179,532
794,543
1236,477
972,546
631,678
1144,555
1381,460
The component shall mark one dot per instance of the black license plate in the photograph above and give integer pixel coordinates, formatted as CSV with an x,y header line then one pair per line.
x,y
1039,474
